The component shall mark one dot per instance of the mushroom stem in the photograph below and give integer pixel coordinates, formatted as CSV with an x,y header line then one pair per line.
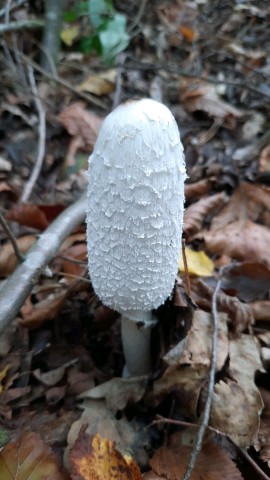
x,y
136,338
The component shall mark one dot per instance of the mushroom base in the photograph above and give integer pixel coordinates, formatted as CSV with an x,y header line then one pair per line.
x,y
136,339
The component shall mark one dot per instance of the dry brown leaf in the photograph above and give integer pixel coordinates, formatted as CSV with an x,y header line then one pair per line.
x,y
196,348
52,377
249,201
261,310
189,362
8,259
84,127
244,241
264,161
43,311
185,382
196,213
96,458
240,313
171,463
198,96
237,403
248,280
35,216
197,189
30,457
101,84
118,392
263,443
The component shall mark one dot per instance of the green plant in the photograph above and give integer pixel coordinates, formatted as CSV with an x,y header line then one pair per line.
x,y
108,35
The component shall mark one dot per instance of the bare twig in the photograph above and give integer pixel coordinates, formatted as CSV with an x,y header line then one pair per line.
x,y
121,57
182,73
12,7
19,285
206,413
41,138
254,464
137,17
64,83
19,25
11,237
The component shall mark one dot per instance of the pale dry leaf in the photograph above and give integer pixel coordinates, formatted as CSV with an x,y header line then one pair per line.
x,y
240,416
101,84
262,444
52,377
196,348
118,392
97,418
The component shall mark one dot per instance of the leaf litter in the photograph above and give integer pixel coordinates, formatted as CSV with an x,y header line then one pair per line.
x,y
61,360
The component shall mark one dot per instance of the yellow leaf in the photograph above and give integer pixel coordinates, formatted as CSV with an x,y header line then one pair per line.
x,y
69,34
3,374
99,84
198,263
96,458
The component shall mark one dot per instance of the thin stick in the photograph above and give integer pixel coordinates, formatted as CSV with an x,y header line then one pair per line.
x,y
64,83
254,464
186,267
41,138
12,7
12,238
15,26
137,17
206,414
118,83
20,284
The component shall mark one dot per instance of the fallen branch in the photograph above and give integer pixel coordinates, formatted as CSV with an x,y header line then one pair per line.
x,y
22,24
20,284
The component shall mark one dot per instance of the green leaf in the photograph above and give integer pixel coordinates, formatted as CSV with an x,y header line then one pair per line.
x,y
113,38
98,10
70,16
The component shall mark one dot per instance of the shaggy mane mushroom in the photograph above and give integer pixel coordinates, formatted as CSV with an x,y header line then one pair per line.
x,y
135,219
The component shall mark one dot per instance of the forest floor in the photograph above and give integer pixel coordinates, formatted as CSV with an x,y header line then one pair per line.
x,y
62,397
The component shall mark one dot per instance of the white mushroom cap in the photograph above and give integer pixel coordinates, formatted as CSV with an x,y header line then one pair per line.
x,y
135,206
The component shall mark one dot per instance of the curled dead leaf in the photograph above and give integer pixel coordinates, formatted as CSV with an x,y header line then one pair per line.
x,y
240,313
196,213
